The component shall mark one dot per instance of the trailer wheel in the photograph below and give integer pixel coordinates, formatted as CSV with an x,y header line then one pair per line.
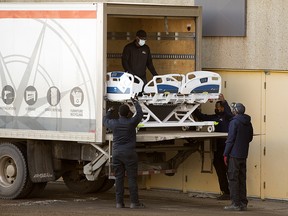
x,y
78,183
108,184
14,177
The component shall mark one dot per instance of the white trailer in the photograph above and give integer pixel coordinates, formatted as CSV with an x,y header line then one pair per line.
x,y
53,64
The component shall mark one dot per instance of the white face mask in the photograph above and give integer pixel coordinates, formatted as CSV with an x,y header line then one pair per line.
x,y
141,42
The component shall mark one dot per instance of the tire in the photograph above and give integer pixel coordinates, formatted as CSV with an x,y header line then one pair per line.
x,y
78,183
14,177
107,185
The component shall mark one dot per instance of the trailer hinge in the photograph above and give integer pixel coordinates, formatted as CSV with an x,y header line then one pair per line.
x,y
225,84
265,85
264,118
264,185
264,151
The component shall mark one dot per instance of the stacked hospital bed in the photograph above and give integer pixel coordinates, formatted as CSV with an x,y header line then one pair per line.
x,y
184,92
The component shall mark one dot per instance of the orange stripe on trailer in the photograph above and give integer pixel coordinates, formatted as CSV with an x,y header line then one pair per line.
x,y
60,14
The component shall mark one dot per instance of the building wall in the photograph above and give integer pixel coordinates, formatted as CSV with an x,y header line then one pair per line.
x,y
264,47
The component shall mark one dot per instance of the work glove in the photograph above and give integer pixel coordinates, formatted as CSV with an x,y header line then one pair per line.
x,y
111,109
134,100
221,97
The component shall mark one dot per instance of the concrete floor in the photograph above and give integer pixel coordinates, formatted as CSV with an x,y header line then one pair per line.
x,y
58,200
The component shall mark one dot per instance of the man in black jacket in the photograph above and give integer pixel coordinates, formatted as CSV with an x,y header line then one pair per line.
x,y
124,156
222,117
136,57
235,155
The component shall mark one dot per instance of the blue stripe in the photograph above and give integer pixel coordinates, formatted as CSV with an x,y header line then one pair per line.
x,y
115,90
206,88
117,74
167,88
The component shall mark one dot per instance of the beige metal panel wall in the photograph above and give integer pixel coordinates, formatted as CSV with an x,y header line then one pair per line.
x,y
264,47
187,178
275,172
248,88
161,181
194,180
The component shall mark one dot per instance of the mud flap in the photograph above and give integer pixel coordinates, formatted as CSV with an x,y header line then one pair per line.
x,y
40,165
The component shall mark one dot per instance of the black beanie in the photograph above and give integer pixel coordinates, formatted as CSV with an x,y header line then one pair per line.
x,y
240,108
124,110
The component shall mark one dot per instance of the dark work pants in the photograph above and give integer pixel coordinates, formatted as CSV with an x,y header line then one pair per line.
x,y
237,180
220,167
126,161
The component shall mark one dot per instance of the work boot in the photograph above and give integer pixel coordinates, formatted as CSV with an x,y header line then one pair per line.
x,y
243,207
224,196
137,205
233,207
120,205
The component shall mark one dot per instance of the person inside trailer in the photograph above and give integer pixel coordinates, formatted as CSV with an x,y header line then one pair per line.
x,y
136,57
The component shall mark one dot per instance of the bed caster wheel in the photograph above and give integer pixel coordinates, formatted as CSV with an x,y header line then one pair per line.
x,y
185,128
198,129
210,129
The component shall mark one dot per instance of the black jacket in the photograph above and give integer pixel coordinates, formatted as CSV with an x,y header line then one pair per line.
x,y
135,60
124,132
222,120
239,136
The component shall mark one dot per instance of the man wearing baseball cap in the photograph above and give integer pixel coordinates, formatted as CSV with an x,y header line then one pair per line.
x,y
240,134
